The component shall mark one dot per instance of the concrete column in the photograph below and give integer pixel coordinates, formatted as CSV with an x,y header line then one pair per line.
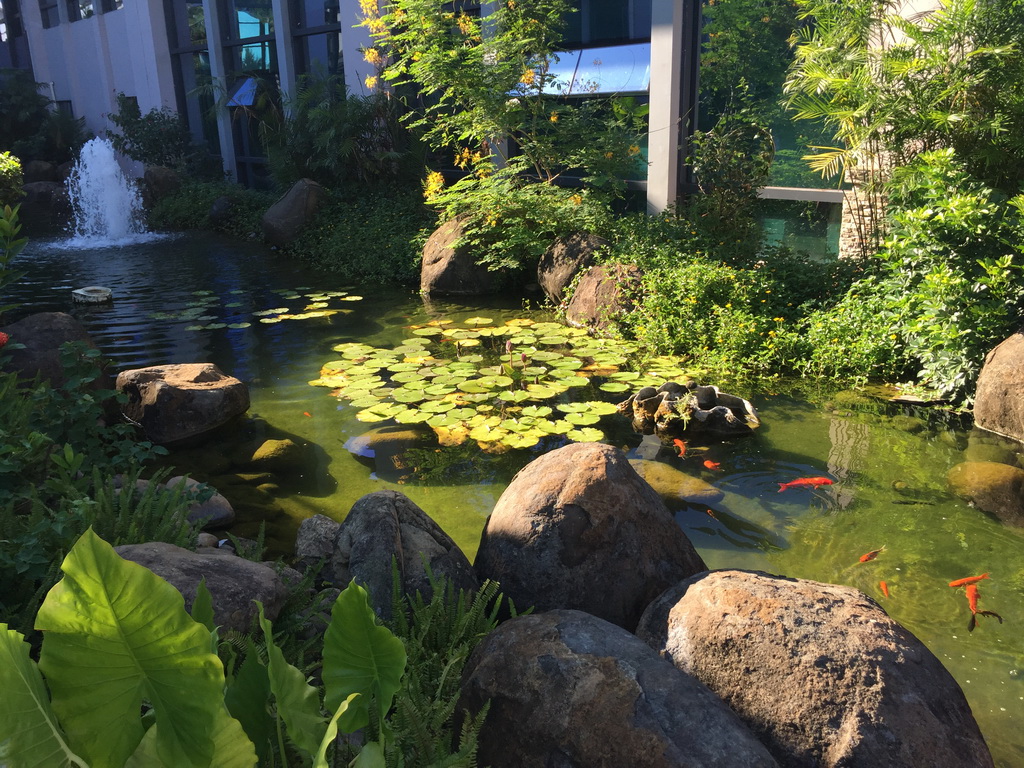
x,y
285,54
218,73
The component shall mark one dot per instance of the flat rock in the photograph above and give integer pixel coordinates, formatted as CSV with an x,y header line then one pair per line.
x,y
671,483
819,672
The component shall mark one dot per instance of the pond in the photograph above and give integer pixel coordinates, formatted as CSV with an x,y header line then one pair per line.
x,y
201,298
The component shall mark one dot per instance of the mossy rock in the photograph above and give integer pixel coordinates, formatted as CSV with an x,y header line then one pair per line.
x,y
671,483
992,487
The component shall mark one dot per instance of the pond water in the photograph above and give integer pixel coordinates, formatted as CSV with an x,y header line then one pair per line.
x,y
889,467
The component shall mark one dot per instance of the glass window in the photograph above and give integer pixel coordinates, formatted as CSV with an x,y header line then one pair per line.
x,y
79,9
253,18
50,13
107,6
608,21
320,54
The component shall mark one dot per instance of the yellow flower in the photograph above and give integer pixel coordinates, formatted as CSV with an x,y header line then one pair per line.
x,y
372,56
554,117
465,24
528,77
433,185
368,8
609,155
576,199
634,150
370,82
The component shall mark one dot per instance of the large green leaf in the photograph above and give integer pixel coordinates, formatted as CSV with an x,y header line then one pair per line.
x,y
246,697
298,703
320,758
29,734
360,656
232,748
115,635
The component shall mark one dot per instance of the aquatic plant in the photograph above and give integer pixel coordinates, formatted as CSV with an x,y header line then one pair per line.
x,y
201,310
503,386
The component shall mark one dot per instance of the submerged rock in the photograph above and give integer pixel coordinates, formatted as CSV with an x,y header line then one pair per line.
x,y
671,483
992,487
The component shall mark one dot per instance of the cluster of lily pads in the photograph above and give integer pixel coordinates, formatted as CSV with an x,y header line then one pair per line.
x,y
198,310
502,385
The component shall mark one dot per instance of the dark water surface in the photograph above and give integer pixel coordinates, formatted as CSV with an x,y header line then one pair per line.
x,y
889,468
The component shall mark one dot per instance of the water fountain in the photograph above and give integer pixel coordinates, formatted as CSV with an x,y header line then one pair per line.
x,y
106,205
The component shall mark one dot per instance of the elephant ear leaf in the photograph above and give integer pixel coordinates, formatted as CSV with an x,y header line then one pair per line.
x,y
232,748
360,656
29,734
115,636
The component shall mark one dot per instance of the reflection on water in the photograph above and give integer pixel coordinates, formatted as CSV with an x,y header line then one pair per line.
x,y
889,480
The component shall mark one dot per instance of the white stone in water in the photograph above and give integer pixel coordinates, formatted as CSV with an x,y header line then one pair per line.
x,y
106,205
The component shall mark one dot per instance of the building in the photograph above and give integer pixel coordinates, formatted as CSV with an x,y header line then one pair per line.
x,y
205,58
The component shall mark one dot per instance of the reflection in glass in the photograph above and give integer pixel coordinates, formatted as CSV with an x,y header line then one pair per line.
x,y
255,18
320,54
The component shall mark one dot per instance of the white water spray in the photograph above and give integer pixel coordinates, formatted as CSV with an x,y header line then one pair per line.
x,y
107,207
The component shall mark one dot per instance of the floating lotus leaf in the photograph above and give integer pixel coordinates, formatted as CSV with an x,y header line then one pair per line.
x,y
544,355
519,322
541,391
429,331
439,390
537,411
599,369
486,433
412,416
451,436
471,359
469,343
463,367
600,407
275,311
238,326
495,382
587,435
416,341
382,392
625,376
519,440
534,370
463,413
317,305
567,364
216,326
553,340
440,322
408,349
478,321
406,395
195,327
405,376
561,427
517,396
403,367
367,401
437,406
329,381
352,298
460,333
370,416
476,387
573,407
353,349
614,386
233,304
545,328
309,315
485,407
582,419
236,291
525,339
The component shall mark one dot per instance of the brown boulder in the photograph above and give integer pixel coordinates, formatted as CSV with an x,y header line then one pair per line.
x,y
158,182
999,399
234,583
560,263
603,295
285,219
818,672
992,487
381,527
173,403
43,334
579,528
448,268
570,690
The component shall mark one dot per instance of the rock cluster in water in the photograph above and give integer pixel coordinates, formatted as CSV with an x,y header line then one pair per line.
x,y
674,410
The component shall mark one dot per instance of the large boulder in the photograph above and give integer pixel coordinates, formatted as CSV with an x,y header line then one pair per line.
x,y
579,528
999,399
570,690
42,335
603,295
285,219
45,206
234,583
174,403
449,268
39,170
560,263
819,672
382,527
158,182
992,487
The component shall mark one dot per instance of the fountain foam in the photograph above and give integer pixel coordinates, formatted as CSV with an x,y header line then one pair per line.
x,y
106,205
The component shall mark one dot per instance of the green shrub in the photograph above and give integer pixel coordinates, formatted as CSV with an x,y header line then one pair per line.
x,y
189,208
160,137
11,179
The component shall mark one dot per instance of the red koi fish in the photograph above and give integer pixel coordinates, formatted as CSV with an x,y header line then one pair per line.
x,y
871,555
968,580
805,482
712,465
884,587
680,445
972,602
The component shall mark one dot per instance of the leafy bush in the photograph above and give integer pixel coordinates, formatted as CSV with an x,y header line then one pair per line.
x,y
11,179
190,208
160,137
10,246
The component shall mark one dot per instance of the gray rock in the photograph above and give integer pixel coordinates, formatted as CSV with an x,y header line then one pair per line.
x,y
570,690
602,296
173,403
578,528
383,527
158,182
215,512
450,269
992,487
42,334
285,219
818,672
560,263
999,397
234,583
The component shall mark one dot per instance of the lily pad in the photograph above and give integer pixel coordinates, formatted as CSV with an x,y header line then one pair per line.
x,y
587,435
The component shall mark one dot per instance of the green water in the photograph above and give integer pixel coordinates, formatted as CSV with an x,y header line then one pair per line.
x,y
889,467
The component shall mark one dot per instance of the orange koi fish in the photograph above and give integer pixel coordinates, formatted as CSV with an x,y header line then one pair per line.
x,y
680,445
871,555
805,482
884,587
972,602
307,413
968,580
712,465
